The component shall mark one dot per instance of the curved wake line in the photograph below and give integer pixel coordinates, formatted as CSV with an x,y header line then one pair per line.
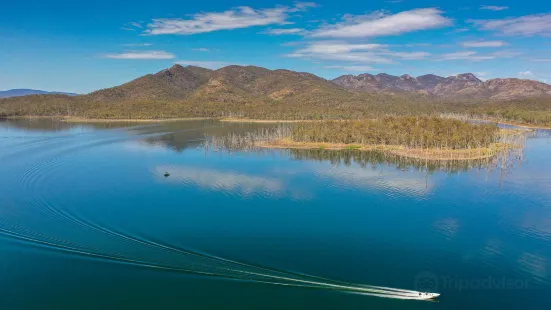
x,y
276,277
186,261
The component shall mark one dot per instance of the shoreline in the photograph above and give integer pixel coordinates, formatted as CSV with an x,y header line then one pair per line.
x,y
268,121
399,150
521,125
71,119
130,120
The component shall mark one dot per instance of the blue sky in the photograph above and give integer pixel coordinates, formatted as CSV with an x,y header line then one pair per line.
x,y
82,46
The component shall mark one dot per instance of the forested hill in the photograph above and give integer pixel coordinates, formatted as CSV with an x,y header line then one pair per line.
x,y
248,91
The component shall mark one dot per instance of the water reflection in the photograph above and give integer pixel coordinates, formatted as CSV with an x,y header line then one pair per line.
x,y
224,181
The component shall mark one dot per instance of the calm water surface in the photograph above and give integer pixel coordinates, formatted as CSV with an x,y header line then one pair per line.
x,y
89,221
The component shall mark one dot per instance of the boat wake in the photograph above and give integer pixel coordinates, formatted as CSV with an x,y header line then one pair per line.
x,y
207,265
58,228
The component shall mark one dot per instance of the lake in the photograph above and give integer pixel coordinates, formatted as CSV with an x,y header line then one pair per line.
x,y
88,220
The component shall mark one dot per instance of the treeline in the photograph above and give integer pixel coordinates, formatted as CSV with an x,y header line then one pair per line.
x,y
535,111
313,105
409,131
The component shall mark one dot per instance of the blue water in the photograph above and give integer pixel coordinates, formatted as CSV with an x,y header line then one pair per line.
x,y
89,221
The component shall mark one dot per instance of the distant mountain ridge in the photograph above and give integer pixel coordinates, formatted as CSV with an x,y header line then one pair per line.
x,y
461,86
231,83
201,91
255,92
24,92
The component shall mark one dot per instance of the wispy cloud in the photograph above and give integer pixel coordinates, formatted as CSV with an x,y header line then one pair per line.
x,y
132,26
526,74
466,55
137,44
529,25
136,24
240,17
352,68
379,24
201,49
493,7
300,6
359,53
475,56
336,50
461,30
204,63
407,55
483,44
288,31
141,55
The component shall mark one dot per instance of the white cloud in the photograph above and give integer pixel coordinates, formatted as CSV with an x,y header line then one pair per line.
x,y
475,56
289,31
137,25
201,49
240,17
352,68
204,64
493,7
529,25
466,55
460,30
526,74
407,55
379,24
339,47
359,53
302,6
141,55
137,44
336,50
483,44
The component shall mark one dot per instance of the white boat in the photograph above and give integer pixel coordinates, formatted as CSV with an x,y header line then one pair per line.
x,y
426,296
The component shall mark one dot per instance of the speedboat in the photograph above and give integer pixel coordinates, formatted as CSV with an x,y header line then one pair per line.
x,y
428,296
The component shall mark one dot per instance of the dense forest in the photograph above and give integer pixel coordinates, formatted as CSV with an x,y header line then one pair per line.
x,y
415,132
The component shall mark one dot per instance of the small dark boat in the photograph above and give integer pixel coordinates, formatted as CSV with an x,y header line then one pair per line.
x,y
167,174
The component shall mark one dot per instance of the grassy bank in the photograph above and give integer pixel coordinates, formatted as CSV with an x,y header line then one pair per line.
x,y
400,150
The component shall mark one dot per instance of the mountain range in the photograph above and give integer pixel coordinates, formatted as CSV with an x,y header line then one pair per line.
x,y
248,83
180,82
461,86
262,93
25,92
